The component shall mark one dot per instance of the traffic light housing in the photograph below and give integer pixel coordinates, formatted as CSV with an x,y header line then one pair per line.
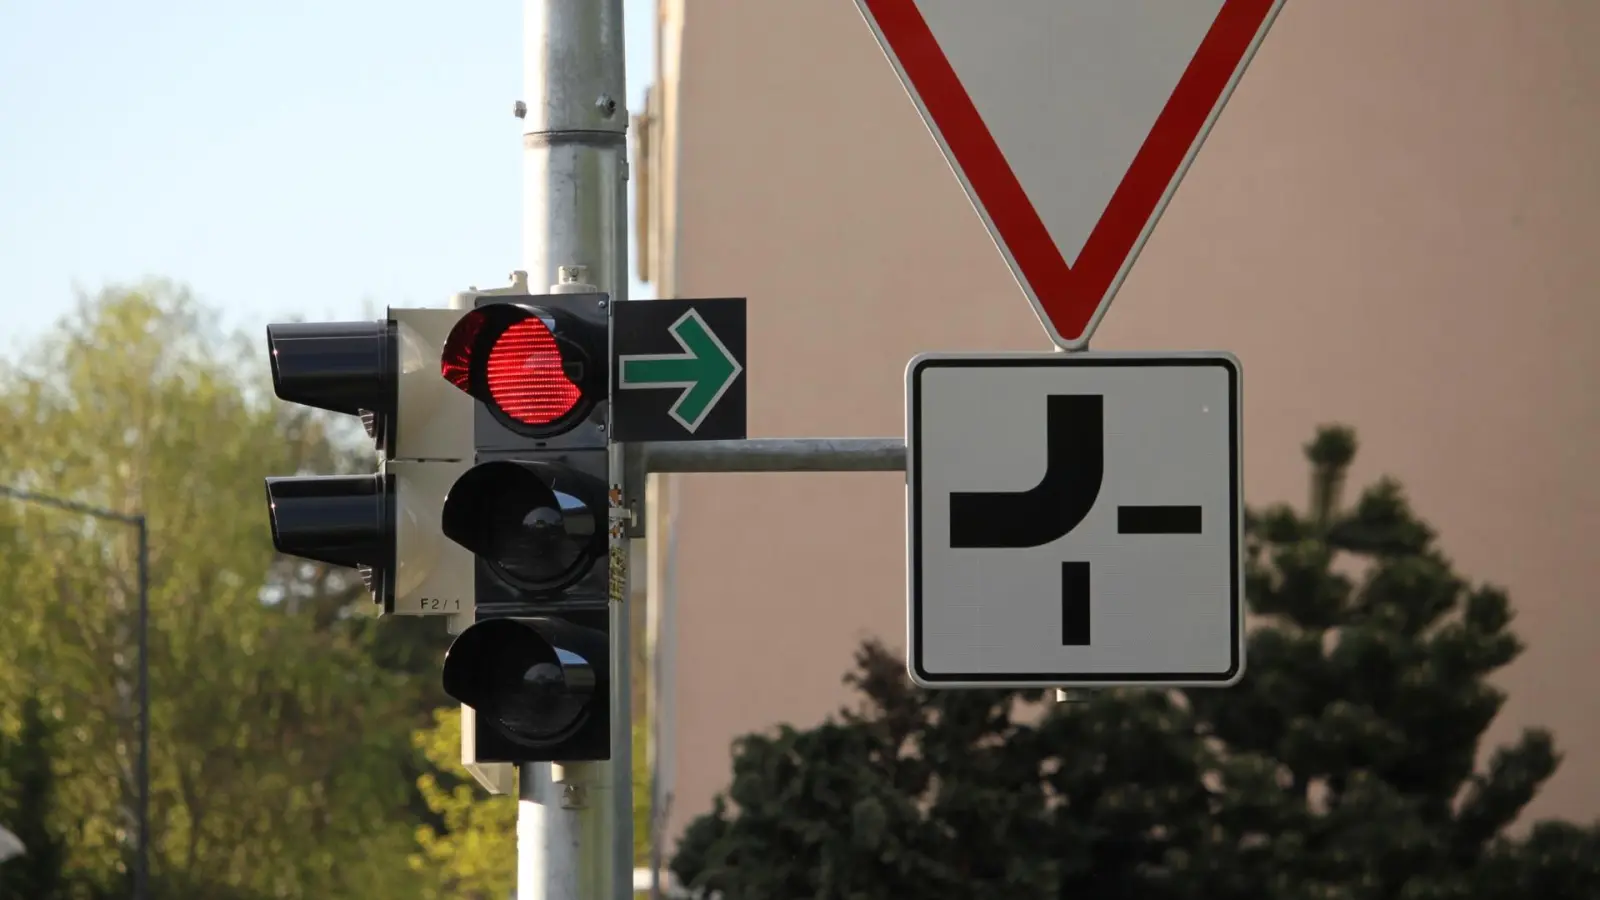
x,y
539,686
342,367
341,520
534,510
538,369
538,527
385,525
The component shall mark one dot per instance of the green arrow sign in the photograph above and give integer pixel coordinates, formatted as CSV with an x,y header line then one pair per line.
x,y
703,371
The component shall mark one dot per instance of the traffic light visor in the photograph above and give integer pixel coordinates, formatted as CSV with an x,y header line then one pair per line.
x,y
343,520
536,368
344,367
540,525
531,688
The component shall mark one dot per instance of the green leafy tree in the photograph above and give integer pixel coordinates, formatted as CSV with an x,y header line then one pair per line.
x,y
469,851
472,853
280,739
1341,768
27,803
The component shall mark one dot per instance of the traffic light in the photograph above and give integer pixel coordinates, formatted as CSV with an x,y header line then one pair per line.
x,y
533,670
386,524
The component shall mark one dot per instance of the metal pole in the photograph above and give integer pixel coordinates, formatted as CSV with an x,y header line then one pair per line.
x,y
661,536
778,455
574,827
141,885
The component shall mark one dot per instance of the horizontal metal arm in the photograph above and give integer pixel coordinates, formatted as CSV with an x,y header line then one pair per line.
x,y
777,455
71,506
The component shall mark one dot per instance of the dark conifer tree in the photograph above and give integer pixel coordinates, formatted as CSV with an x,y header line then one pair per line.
x,y
1341,768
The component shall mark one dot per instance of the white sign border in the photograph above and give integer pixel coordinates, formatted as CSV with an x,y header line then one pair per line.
x,y
924,361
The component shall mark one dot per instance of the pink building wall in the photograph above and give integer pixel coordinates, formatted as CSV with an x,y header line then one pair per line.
x,y
1394,225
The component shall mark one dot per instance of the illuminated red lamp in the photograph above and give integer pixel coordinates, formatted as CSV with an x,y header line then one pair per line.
x,y
525,375
531,366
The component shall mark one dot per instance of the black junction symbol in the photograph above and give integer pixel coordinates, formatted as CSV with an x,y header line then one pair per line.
x,y
1051,509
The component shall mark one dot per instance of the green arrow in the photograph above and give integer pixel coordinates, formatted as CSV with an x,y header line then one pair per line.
x,y
703,371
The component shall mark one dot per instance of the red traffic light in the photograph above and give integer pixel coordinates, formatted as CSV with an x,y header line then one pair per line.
x,y
525,376
540,370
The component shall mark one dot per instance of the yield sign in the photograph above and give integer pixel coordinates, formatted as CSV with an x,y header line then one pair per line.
x,y
1070,122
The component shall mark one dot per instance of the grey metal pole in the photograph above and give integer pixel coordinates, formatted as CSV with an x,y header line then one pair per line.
x,y
661,536
778,455
574,823
141,886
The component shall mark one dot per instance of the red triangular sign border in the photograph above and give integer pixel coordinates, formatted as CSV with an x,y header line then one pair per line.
x,y
1070,295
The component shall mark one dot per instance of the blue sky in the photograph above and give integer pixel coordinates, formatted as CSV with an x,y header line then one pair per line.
x,y
292,158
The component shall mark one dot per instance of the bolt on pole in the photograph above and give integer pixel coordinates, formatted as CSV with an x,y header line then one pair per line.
x,y
574,823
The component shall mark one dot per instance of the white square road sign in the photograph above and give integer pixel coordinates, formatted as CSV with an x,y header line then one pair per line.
x,y
1074,519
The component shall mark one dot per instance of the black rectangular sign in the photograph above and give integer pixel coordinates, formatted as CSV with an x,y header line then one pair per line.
x,y
679,370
